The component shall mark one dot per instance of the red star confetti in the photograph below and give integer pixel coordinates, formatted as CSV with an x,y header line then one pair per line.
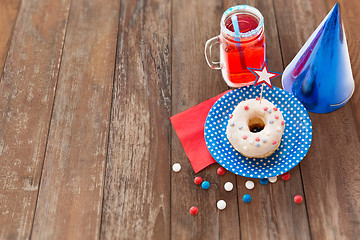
x,y
263,75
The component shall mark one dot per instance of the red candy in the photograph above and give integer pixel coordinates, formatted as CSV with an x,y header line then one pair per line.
x,y
257,139
282,123
298,199
257,98
194,210
274,142
275,109
198,180
231,116
221,171
244,137
276,117
246,108
265,109
285,176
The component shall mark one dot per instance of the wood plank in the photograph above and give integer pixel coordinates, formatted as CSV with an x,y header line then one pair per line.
x,y
71,189
193,81
330,185
27,91
272,209
137,190
8,12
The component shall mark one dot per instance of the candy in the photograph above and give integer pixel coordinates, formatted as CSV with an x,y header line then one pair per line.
x,y
257,98
205,185
276,117
285,176
282,123
247,198
249,185
264,181
194,210
220,171
265,109
176,167
264,140
246,108
269,111
221,204
272,179
275,109
231,116
298,199
274,142
198,180
257,139
232,124
228,186
257,144
271,121
244,137
241,127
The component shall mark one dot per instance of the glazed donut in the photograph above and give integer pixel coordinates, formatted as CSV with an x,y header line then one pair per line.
x,y
255,128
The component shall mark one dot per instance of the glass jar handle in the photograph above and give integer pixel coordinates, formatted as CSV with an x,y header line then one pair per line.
x,y
208,46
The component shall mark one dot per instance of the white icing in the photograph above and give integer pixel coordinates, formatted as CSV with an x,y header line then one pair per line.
x,y
271,132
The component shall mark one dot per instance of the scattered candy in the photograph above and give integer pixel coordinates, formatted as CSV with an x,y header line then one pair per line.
x,y
276,117
282,123
285,176
220,171
241,127
198,180
247,198
244,137
264,181
232,124
176,167
205,185
265,109
269,111
257,139
231,116
264,140
228,186
194,210
274,142
257,144
257,98
221,204
298,199
271,121
275,109
272,179
249,185
246,108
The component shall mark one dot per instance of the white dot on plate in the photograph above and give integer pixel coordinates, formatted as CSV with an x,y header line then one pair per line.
x,y
272,179
228,186
249,185
176,167
221,204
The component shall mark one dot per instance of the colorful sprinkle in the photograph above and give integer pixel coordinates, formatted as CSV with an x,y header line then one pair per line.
x,y
264,140
246,108
271,121
285,176
221,204
269,111
275,109
247,198
265,109
249,185
257,145
244,137
205,185
276,117
194,210
220,171
257,139
298,199
232,124
231,116
176,167
241,127
198,180
264,181
257,98
282,123
272,179
274,142
228,186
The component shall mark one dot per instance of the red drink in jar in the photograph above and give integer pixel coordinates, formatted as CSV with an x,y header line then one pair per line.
x,y
241,50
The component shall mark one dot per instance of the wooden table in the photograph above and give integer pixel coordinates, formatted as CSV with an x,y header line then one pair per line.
x,y
86,145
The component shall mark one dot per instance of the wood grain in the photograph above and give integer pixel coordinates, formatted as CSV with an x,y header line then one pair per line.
x,y
71,190
8,13
193,82
329,170
26,97
137,190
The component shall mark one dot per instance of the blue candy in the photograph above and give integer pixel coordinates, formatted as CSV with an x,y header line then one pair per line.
x,y
264,181
247,198
205,185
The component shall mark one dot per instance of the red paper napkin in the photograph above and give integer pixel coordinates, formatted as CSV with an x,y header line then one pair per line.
x,y
189,126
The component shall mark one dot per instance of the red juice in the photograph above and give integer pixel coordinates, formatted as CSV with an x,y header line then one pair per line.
x,y
236,54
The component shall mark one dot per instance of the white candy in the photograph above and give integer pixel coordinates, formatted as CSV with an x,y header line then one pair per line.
x,y
228,186
249,185
272,179
221,204
176,167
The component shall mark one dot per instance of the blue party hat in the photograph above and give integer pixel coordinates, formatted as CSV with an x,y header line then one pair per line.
x,y
320,75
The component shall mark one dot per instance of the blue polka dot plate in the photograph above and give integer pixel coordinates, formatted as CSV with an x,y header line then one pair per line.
x,y
295,142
